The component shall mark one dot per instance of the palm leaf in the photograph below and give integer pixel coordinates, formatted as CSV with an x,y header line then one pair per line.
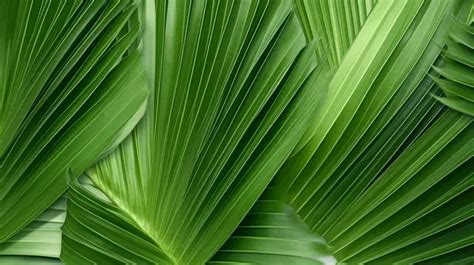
x,y
72,88
272,233
97,231
348,91
255,149
40,241
387,174
335,23
458,69
233,90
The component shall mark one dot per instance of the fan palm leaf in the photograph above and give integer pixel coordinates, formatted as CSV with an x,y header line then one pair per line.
x,y
386,178
335,23
272,233
276,132
233,90
458,69
72,87
40,241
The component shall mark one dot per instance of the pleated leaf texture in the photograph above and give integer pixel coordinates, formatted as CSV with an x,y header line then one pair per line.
x,y
273,132
71,88
387,174
234,88
457,71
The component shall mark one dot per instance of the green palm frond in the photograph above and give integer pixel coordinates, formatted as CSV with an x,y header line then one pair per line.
x,y
387,177
272,233
273,132
335,23
233,92
374,72
98,231
457,72
72,87
40,241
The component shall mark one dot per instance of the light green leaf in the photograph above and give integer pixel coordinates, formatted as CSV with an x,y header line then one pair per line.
x,y
98,231
272,233
457,68
385,175
335,23
233,90
40,241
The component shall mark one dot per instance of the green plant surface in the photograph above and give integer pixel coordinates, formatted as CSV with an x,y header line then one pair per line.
x,y
236,132
272,233
335,24
457,70
387,175
40,241
232,94
72,87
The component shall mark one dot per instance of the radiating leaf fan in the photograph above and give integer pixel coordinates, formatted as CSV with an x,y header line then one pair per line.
x,y
275,132
233,92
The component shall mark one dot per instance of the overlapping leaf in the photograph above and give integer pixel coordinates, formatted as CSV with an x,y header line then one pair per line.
x,y
457,71
386,175
40,241
72,87
382,170
97,231
335,23
233,90
272,233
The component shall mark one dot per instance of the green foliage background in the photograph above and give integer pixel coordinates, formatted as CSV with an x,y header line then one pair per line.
x,y
254,132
